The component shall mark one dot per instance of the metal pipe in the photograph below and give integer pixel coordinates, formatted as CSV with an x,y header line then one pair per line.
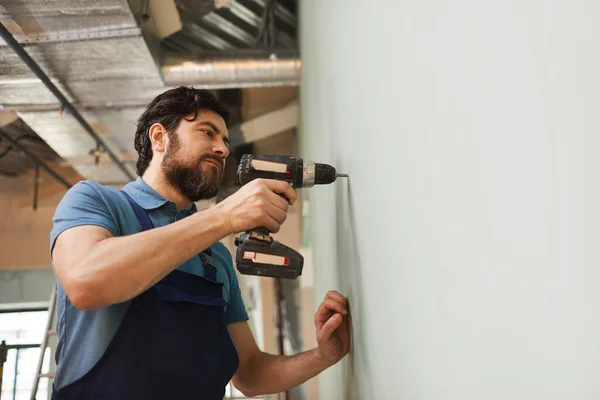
x,y
234,73
38,371
35,158
35,68
14,393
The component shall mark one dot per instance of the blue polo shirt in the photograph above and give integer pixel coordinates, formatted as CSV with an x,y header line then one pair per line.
x,y
83,336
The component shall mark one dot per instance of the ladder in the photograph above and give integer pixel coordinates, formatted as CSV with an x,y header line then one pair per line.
x,y
48,332
3,353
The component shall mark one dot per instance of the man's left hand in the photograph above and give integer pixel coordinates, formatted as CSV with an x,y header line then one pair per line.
x,y
331,321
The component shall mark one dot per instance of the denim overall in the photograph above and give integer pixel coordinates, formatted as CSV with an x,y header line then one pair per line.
x,y
171,344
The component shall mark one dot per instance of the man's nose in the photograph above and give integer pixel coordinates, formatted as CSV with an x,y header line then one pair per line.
x,y
221,148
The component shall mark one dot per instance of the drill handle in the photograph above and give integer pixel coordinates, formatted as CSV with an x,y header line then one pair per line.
x,y
262,231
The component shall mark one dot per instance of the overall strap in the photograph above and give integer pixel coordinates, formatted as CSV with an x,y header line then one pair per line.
x,y
210,271
140,213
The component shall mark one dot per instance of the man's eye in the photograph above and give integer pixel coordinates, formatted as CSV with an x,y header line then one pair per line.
x,y
209,133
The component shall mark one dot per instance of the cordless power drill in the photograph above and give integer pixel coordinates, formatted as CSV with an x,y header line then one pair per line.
x,y
257,252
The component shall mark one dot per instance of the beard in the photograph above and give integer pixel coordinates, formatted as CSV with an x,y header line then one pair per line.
x,y
190,178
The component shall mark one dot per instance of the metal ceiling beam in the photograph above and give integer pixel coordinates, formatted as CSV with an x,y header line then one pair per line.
x,y
35,68
230,29
180,43
248,16
35,159
205,36
283,13
245,14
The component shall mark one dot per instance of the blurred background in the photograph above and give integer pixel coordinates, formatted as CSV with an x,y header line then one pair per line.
x,y
108,59
466,237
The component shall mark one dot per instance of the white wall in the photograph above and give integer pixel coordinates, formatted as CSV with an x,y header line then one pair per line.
x,y
467,236
25,285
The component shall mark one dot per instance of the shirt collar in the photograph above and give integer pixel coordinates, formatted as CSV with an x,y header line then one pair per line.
x,y
148,198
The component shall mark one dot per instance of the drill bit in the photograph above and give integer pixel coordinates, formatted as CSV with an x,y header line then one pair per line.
x,y
341,176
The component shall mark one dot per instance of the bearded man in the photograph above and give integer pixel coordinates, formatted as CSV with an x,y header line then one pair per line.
x,y
149,305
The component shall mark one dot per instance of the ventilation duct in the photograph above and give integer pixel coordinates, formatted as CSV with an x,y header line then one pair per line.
x,y
234,73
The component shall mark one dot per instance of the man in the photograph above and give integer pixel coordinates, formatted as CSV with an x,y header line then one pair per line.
x,y
149,305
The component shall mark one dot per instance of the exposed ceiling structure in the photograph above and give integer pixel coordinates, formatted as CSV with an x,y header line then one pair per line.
x,y
109,58
16,137
29,168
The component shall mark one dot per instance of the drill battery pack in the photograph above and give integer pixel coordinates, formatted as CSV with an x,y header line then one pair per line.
x,y
259,254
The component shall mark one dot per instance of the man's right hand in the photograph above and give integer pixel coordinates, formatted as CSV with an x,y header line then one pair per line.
x,y
257,204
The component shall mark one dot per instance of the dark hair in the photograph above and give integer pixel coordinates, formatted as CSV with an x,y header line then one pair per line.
x,y
168,109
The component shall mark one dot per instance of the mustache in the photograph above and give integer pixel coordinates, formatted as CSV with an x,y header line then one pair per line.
x,y
220,160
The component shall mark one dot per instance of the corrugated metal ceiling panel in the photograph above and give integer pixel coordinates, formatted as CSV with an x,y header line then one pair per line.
x,y
122,64
49,17
91,70
12,92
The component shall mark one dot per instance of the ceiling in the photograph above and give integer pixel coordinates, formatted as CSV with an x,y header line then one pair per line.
x,y
111,57
241,25
13,161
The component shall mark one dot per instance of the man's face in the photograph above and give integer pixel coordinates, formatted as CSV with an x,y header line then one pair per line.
x,y
194,159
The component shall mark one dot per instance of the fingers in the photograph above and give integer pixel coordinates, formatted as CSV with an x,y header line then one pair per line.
x,y
281,187
260,204
329,327
277,206
277,214
277,200
328,307
272,225
337,296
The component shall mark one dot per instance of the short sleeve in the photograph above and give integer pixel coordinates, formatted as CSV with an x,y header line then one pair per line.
x,y
236,309
82,205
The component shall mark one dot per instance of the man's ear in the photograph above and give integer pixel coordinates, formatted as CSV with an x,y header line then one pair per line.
x,y
158,137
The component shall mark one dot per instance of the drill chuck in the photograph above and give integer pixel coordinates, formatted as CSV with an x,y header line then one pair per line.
x,y
325,174
317,174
